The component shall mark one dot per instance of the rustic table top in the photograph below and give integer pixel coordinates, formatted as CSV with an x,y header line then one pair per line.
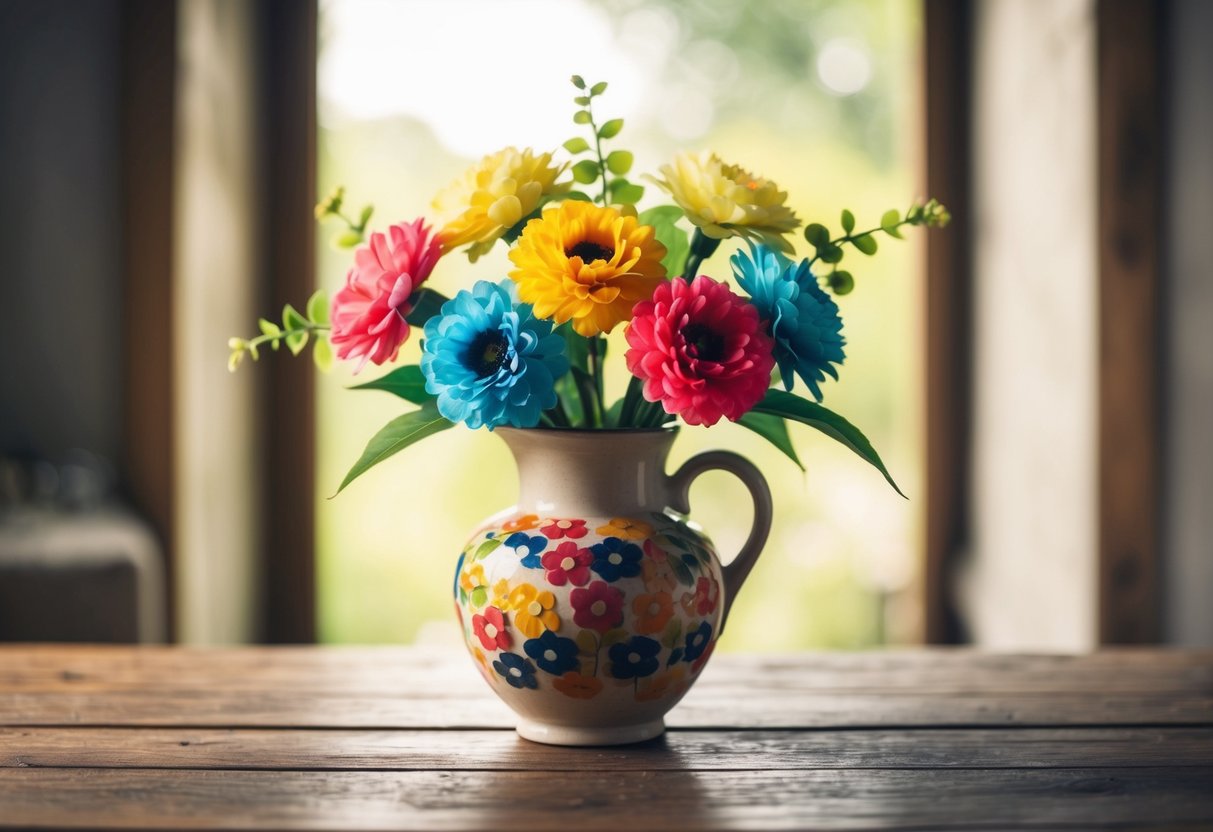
x,y
369,738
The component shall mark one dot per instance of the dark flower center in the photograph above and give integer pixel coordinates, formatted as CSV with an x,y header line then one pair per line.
x,y
488,353
589,252
703,343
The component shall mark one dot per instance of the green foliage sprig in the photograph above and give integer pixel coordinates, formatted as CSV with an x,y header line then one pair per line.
x,y
354,232
295,330
615,189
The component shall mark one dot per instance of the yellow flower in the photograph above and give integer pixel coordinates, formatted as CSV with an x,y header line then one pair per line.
x,y
587,264
494,195
533,610
723,200
501,593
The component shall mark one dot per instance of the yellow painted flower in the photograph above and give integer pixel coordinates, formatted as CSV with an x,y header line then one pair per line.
x,y
723,200
533,610
472,577
625,529
494,195
587,264
501,593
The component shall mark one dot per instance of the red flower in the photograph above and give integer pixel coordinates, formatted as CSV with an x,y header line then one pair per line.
x,y
557,529
597,607
368,312
700,350
490,629
704,599
568,564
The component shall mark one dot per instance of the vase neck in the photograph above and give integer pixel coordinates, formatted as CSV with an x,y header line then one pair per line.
x,y
569,473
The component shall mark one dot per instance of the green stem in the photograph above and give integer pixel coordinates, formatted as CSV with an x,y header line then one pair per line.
x,y
589,406
589,108
558,415
595,345
702,247
310,329
631,399
850,238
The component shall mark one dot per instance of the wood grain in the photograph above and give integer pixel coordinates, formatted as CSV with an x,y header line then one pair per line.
x,y
682,750
607,800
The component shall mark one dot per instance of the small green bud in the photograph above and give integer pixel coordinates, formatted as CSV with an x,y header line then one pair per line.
x,y
331,204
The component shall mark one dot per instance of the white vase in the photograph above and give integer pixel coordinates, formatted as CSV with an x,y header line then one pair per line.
x,y
592,605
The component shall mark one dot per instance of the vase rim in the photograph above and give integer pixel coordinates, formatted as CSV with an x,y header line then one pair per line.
x,y
670,431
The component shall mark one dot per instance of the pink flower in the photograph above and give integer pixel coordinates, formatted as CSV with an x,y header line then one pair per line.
x,y
597,607
368,314
568,564
556,529
490,629
700,350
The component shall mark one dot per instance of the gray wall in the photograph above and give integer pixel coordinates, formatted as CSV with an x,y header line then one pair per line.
x,y
60,232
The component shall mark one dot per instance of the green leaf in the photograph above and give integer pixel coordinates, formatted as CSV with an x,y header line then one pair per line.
x,y
626,193
587,642
612,414
581,117
322,354
426,304
578,82
272,329
848,221
614,637
619,161
773,429
817,235
347,239
577,145
673,632
889,222
841,283
781,403
582,100
586,171
611,129
365,216
830,253
295,342
291,319
395,436
664,219
480,596
318,307
680,569
599,88
487,548
866,244
406,382
579,196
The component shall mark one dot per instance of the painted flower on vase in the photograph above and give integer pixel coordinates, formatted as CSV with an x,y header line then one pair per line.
x,y
703,599
490,361
598,606
658,574
577,686
634,658
527,547
587,264
700,350
533,610
567,564
625,528
653,611
521,524
557,529
368,313
490,628
495,195
552,653
697,641
803,320
516,670
615,559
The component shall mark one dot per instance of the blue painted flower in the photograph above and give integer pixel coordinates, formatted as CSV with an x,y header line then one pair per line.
x,y
552,653
528,547
698,641
490,361
804,320
615,559
519,672
458,569
634,658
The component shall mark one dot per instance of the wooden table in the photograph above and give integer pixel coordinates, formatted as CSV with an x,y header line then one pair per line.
x,y
340,738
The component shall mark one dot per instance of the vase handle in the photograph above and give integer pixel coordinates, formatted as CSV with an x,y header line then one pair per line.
x,y
738,569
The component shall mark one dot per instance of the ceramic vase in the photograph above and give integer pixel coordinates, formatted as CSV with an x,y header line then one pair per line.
x,y
592,605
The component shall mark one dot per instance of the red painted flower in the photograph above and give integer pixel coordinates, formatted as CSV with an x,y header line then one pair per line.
x,y
597,607
568,564
490,629
704,599
368,313
557,529
700,350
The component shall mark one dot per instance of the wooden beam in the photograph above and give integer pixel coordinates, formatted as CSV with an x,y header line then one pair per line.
x,y
287,35
149,72
947,25
1130,284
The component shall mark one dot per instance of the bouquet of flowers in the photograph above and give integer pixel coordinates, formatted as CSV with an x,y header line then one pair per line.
x,y
529,351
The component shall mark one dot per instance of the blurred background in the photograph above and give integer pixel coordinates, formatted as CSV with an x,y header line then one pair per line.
x,y
1038,376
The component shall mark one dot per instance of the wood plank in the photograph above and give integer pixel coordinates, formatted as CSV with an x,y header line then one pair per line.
x,y
684,750
508,800
1130,95
759,708
392,671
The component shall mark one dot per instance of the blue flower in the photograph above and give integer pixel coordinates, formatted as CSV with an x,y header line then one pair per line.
x,y
530,548
490,361
698,641
615,559
552,653
804,320
634,658
519,672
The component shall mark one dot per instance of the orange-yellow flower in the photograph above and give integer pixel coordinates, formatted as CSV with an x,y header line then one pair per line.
x,y
533,610
587,264
494,196
625,529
